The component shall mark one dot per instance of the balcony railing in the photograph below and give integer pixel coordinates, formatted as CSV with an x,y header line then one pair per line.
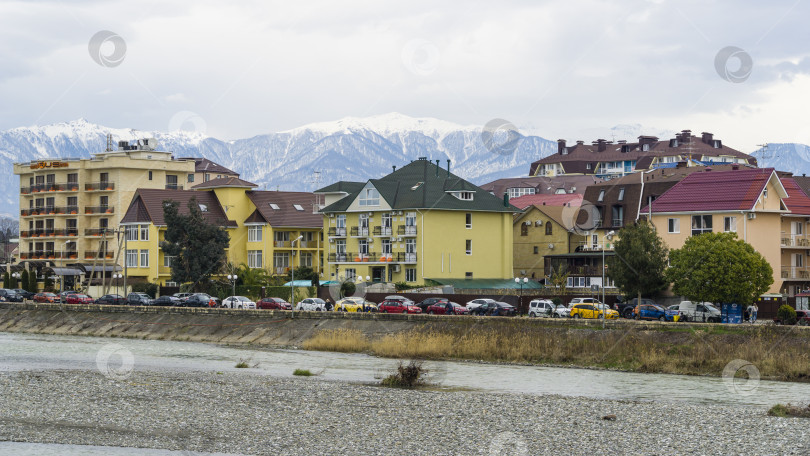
x,y
174,187
282,269
50,187
359,231
42,255
590,246
796,240
281,244
98,232
796,272
404,257
618,222
99,209
372,257
50,210
49,232
99,186
94,254
383,231
406,230
336,232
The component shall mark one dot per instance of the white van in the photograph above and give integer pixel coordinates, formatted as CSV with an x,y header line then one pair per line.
x,y
541,308
698,311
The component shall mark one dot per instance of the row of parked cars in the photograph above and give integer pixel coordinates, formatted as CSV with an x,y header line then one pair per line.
x,y
633,309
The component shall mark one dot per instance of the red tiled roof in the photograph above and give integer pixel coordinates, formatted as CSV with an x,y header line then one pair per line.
x,y
225,182
797,202
714,191
522,202
287,215
147,206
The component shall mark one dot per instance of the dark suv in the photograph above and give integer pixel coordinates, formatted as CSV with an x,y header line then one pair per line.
x,y
200,300
139,299
429,302
10,295
627,308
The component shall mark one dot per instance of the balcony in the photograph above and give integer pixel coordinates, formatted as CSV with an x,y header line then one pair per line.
x,y
383,231
49,232
281,270
404,257
50,210
174,187
336,232
98,232
42,255
281,244
591,247
99,186
372,257
359,231
618,223
50,187
406,230
94,254
794,240
94,210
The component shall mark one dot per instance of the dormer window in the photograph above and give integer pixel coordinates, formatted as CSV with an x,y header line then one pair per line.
x,y
203,208
621,194
601,195
369,197
298,207
274,206
464,196
645,147
417,185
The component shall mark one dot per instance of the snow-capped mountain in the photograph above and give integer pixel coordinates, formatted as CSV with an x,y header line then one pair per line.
x,y
347,149
791,157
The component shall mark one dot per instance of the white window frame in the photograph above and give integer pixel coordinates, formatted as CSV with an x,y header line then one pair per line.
x,y
369,197
254,233
468,246
254,258
468,220
144,232
673,225
730,224
132,232
144,256
410,274
167,260
132,258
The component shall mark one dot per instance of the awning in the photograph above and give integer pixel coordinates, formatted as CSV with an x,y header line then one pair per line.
x,y
304,283
488,284
66,271
89,268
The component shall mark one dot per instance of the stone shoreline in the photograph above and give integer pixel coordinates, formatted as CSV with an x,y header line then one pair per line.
x,y
249,413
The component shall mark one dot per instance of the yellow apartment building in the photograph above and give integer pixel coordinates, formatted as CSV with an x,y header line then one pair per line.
x,y
264,227
540,232
420,222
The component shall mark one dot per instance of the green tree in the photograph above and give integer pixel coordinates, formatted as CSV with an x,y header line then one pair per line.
x,y
32,281
559,278
718,267
251,277
640,260
24,282
7,280
198,246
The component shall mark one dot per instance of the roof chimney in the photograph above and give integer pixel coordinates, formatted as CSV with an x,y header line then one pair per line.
x,y
448,167
560,146
621,141
673,142
601,145
506,199
707,138
735,166
647,139
437,168
579,143
686,136
395,168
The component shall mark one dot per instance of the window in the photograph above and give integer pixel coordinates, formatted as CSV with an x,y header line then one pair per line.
x,y
524,229
765,192
410,274
515,192
282,236
351,273
536,250
587,166
207,177
730,224
549,228
104,177
306,259
281,261
601,195
150,175
468,275
171,182
386,246
621,194
144,232
274,206
362,246
701,224
298,207
369,197
464,196
168,260
618,215
103,223
673,225
254,234
104,201
191,178
132,232
132,258
410,246
341,221
468,220
468,246
254,258
144,258
73,178
340,246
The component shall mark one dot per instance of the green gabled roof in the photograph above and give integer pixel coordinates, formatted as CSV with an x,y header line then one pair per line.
x,y
422,184
342,186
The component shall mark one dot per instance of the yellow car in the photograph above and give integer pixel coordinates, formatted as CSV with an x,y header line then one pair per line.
x,y
593,311
354,305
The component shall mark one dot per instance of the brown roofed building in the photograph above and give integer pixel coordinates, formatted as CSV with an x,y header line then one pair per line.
x,y
535,185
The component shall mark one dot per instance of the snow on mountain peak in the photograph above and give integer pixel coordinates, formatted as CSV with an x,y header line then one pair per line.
x,y
392,122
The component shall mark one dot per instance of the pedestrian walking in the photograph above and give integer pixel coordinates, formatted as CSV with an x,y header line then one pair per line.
x,y
754,310
449,309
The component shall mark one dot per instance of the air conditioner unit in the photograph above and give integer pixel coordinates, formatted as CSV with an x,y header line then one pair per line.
x,y
293,254
752,215
539,223
370,214
527,223
396,268
399,239
370,240
331,215
331,241
551,246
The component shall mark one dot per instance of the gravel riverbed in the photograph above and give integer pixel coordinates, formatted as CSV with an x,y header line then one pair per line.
x,y
248,413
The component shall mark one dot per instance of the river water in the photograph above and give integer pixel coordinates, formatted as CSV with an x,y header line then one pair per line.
x,y
46,352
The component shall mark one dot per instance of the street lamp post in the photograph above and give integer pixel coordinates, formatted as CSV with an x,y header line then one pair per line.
x,y
292,277
232,278
17,276
521,282
62,286
117,276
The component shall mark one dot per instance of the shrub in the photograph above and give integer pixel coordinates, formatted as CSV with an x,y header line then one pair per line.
x,y
556,301
149,288
786,314
409,376
347,289
784,411
242,364
303,373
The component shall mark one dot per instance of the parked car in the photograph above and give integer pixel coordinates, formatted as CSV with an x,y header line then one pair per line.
x,y
802,318
45,297
542,308
315,304
397,298
650,312
440,308
475,303
238,302
168,301
182,296
626,308
64,294
355,304
200,300
699,311
24,293
139,299
394,306
111,299
78,298
593,311
273,303
495,308
10,295
429,302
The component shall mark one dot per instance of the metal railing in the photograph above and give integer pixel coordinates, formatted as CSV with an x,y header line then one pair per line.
x,y
50,210
91,254
796,272
98,231
383,231
99,209
336,232
99,186
174,187
406,230
359,231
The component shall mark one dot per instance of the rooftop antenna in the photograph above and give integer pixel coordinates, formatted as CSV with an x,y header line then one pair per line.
x,y
766,155
315,180
109,143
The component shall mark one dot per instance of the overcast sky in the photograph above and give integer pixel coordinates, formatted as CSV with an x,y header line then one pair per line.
x,y
559,69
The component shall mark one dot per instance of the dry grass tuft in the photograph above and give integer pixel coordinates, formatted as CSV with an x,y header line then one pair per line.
x,y
338,340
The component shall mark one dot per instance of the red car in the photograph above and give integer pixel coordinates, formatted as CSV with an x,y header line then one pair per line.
x,y
441,309
397,307
273,303
802,318
45,297
78,298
